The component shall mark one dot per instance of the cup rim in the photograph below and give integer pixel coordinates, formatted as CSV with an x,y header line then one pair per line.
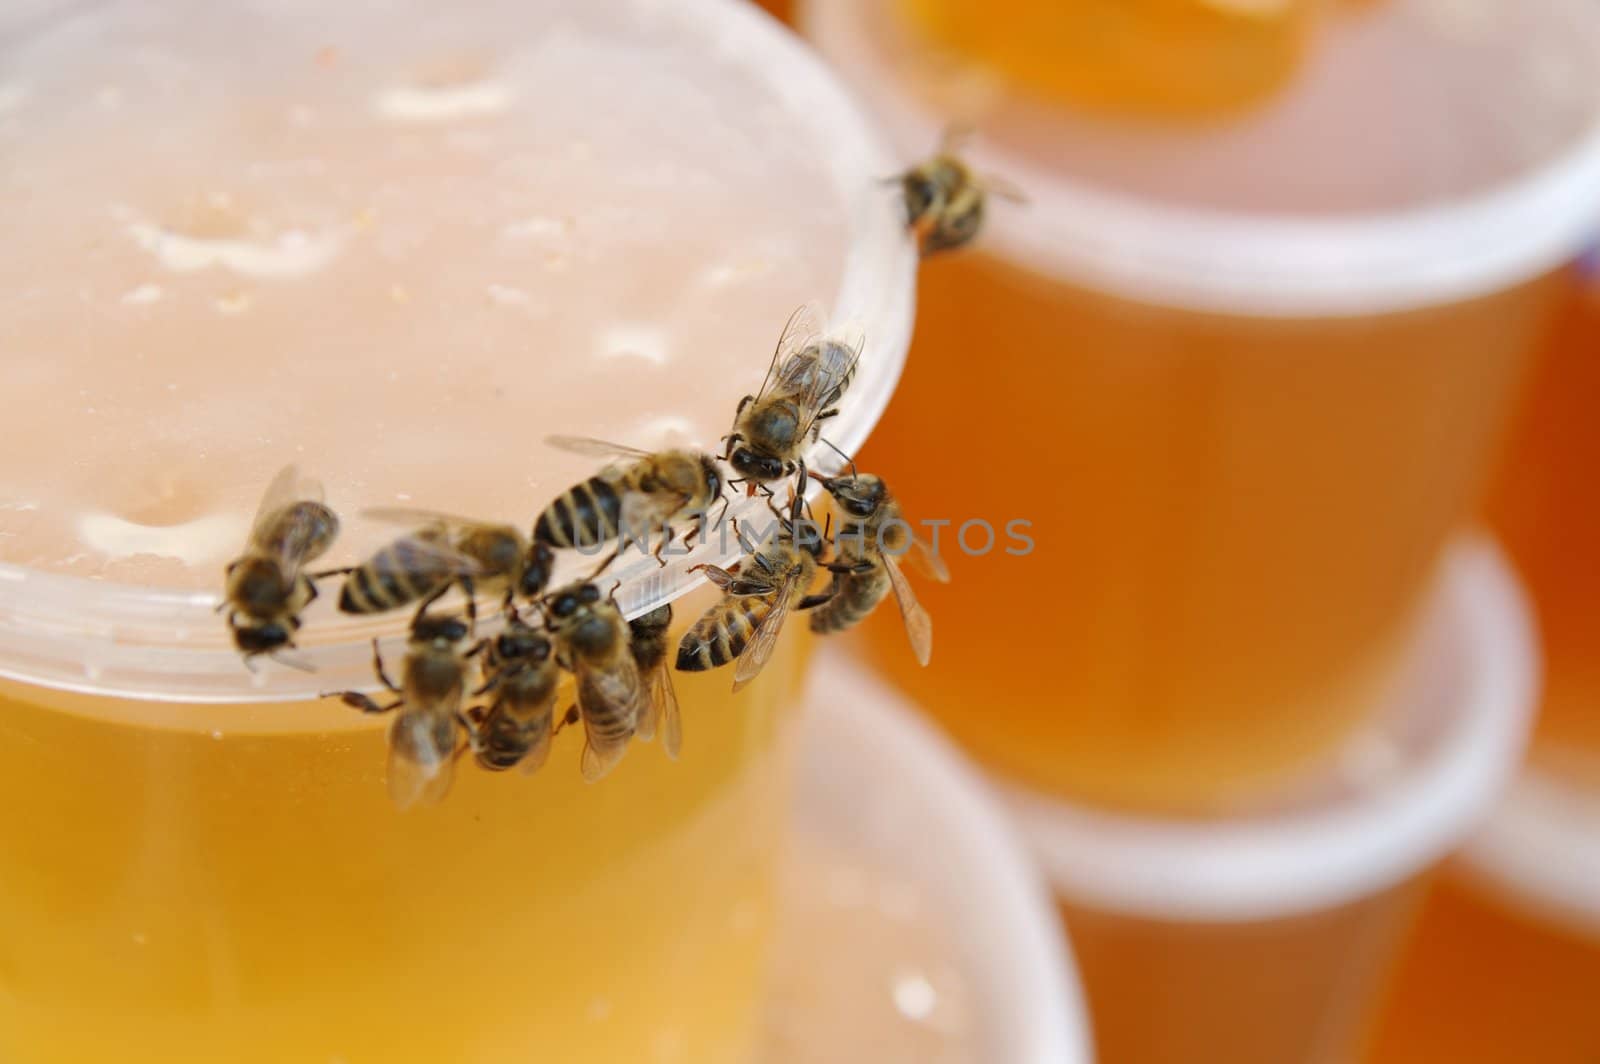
x,y
149,643
1478,652
1540,850
1270,265
863,743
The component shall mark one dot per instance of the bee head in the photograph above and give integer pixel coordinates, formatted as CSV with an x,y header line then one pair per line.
x,y
261,638
536,570
504,552
567,601
757,467
431,629
859,495
521,643
922,191
712,476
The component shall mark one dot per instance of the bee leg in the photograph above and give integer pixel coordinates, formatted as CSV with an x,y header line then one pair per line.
x,y
666,537
357,700
380,671
325,573
470,594
428,600
488,685
569,718
605,563
811,602
858,569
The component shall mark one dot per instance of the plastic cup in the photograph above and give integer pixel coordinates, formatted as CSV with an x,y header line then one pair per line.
x,y
1505,961
1243,381
398,247
1267,937
876,781
1544,509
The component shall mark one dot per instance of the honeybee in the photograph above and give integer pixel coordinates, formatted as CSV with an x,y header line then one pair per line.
x,y
444,550
806,379
265,590
745,624
631,497
944,199
522,676
648,642
594,642
423,740
873,536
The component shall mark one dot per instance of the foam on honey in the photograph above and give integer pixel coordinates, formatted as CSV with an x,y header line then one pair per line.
x,y
397,252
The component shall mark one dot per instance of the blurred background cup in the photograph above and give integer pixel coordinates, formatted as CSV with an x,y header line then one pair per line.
x,y
1266,938
916,929
1242,374
1505,962
1505,959
397,246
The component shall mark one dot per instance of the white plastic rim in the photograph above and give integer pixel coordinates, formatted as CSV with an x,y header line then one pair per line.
x,y
874,777
1456,734
1262,265
1540,851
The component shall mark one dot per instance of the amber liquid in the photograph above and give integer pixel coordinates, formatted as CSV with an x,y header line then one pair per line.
x,y
1296,990
1233,520
208,883
1546,510
1161,57
1484,983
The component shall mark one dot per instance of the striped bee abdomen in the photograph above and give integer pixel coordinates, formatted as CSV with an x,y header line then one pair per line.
x,y
854,597
721,633
586,516
609,700
400,573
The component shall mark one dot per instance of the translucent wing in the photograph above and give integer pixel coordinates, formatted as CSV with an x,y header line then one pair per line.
x,y
286,488
419,518
999,186
606,695
423,553
798,332
919,626
661,704
765,639
927,560
539,750
593,448
420,769
837,362
597,763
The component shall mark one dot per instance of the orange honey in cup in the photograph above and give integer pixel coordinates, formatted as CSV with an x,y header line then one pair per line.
x,y
397,249
1241,382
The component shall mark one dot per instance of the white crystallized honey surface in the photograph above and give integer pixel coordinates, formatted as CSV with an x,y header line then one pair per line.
x,y
396,246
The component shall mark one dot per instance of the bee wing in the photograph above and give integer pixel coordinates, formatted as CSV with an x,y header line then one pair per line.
x,y
765,639
838,362
287,487
919,626
419,772
539,750
798,331
419,518
955,137
593,448
1006,190
661,704
604,691
927,560
426,549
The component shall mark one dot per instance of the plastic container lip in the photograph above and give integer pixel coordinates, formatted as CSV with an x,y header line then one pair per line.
x,y
875,777
1540,850
1260,265
138,642
1453,737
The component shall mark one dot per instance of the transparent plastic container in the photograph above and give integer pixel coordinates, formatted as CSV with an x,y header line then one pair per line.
x,y
983,974
1268,937
1505,960
398,247
1243,378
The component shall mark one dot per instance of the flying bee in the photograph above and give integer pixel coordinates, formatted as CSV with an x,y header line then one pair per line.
x,y
639,492
805,380
265,590
522,676
744,625
944,199
873,536
593,641
648,642
423,740
443,551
